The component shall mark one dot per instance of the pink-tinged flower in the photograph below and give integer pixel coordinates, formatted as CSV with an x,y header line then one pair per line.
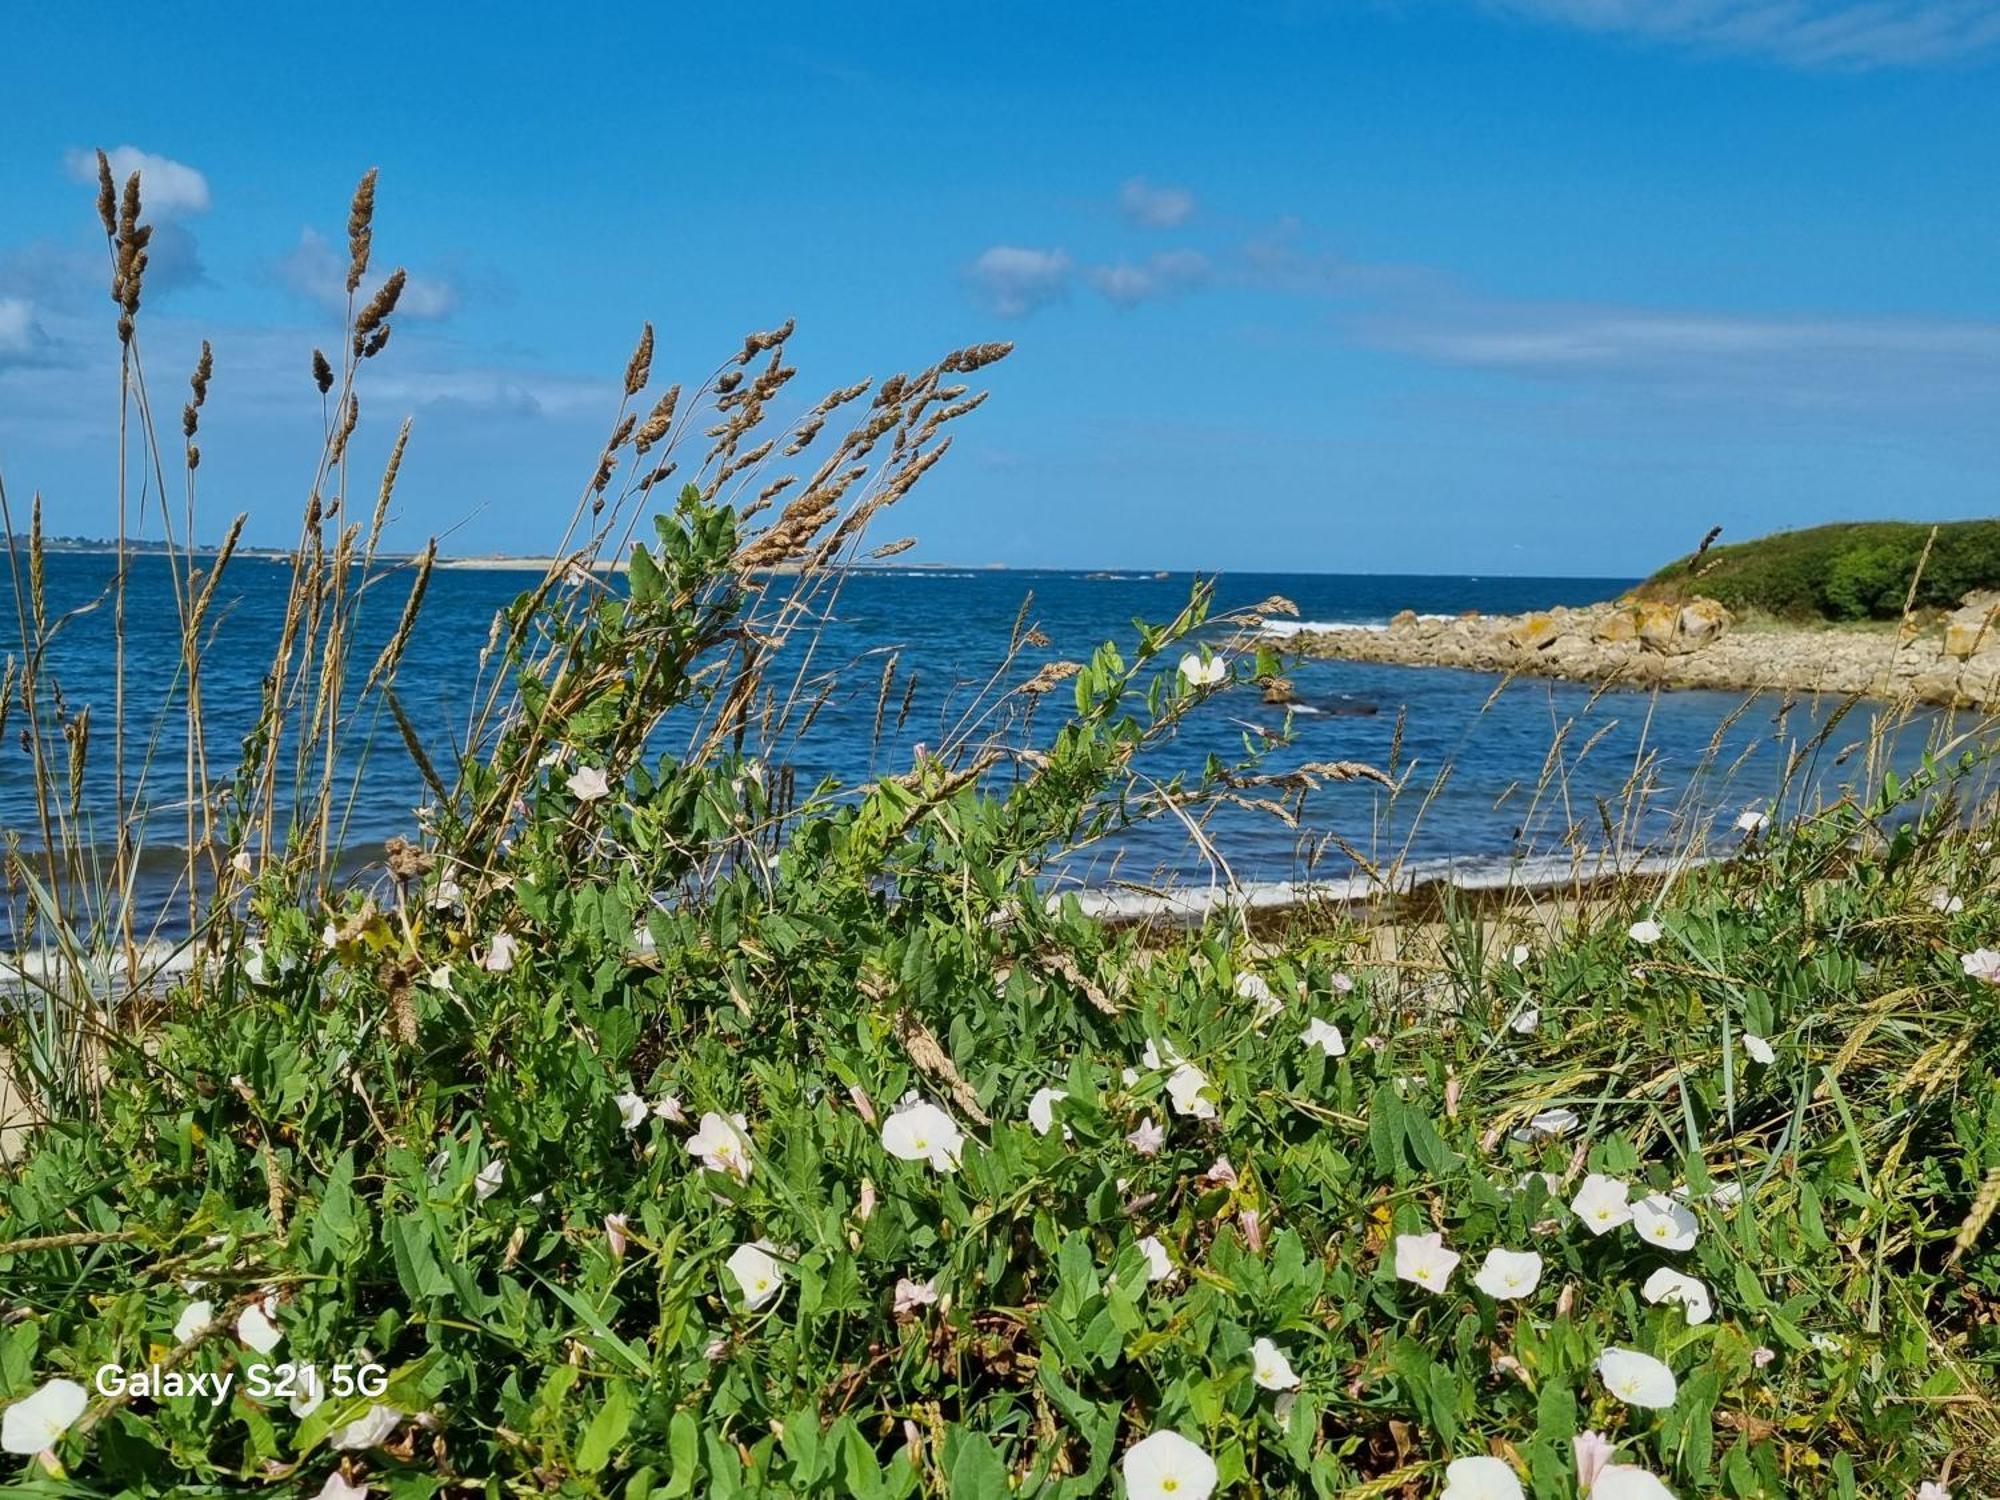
x,y
863,1105
865,1210
1424,1260
1762,1355
1981,963
722,1145
715,1348
671,1110
614,1235
1341,983
1252,1224
587,784
1220,1173
911,1295
1593,1451
499,955
1147,1138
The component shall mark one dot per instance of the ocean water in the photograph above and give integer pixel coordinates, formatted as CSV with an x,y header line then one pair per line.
x,y
1489,779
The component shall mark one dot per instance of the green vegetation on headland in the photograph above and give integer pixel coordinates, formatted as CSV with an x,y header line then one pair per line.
x,y
1848,570
649,1127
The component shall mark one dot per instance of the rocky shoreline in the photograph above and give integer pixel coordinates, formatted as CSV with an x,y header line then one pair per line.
x,y
1697,644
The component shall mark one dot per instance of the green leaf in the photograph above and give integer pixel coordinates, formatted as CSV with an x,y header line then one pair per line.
x,y
607,1429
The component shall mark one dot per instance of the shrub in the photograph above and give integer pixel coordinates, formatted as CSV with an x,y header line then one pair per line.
x,y
1846,571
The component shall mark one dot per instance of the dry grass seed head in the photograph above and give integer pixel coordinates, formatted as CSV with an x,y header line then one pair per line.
x,y
360,230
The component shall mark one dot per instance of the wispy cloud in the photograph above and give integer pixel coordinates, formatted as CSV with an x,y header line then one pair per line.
x,y
21,338
1836,34
317,272
1013,280
1166,274
166,187
1153,206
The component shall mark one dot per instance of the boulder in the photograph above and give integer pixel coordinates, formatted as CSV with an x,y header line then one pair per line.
x,y
1278,690
1533,632
1659,627
1973,626
1616,626
1702,621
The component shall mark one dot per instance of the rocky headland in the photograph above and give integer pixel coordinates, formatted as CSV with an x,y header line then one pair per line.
x,y
1697,643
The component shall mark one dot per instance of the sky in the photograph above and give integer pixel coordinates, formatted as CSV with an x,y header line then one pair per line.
x,y
1536,287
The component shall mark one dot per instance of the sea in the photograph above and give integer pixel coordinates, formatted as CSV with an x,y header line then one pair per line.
x,y
1491,777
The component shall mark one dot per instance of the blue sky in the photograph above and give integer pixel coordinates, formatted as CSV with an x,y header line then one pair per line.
x,y
1520,286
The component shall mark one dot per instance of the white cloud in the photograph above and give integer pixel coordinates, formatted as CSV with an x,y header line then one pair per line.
x,y
20,338
1163,275
317,272
1839,34
1013,281
166,187
1154,207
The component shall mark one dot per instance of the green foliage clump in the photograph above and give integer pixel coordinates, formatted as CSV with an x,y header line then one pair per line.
x,y
1855,570
592,1135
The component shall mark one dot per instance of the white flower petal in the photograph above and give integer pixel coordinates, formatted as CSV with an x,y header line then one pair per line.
x,y
1637,1379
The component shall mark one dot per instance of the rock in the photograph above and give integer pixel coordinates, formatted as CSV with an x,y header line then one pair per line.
x,y
1702,621
1533,632
1278,690
1403,619
1659,627
1616,627
1973,626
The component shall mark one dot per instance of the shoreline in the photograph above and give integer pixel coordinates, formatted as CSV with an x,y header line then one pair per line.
x,y
1954,663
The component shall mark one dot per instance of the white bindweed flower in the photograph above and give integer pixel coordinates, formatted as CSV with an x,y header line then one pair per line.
x,y
1480,1479
1760,1050
1220,1173
1602,1203
632,1110
499,955
1752,821
1199,673
308,1391
923,1132
1325,1036
1509,1274
1625,1482
255,1328
757,1272
1762,1355
1147,1137
1423,1259
1663,1222
32,1424
1518,955
1644,931
1158,1267
1666,1285
338,1487
369,1430
587,784
1166,1466
671,1110
1593,1451
1042,1110
1981,963
1253,987
1944,901
1270,1369
1549,1125
1158,1055
911,1295
1930,1489
487,1183
1637,1379
721,1145
1342,982
614,1235
1526,1022
1187,1087
194,1317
